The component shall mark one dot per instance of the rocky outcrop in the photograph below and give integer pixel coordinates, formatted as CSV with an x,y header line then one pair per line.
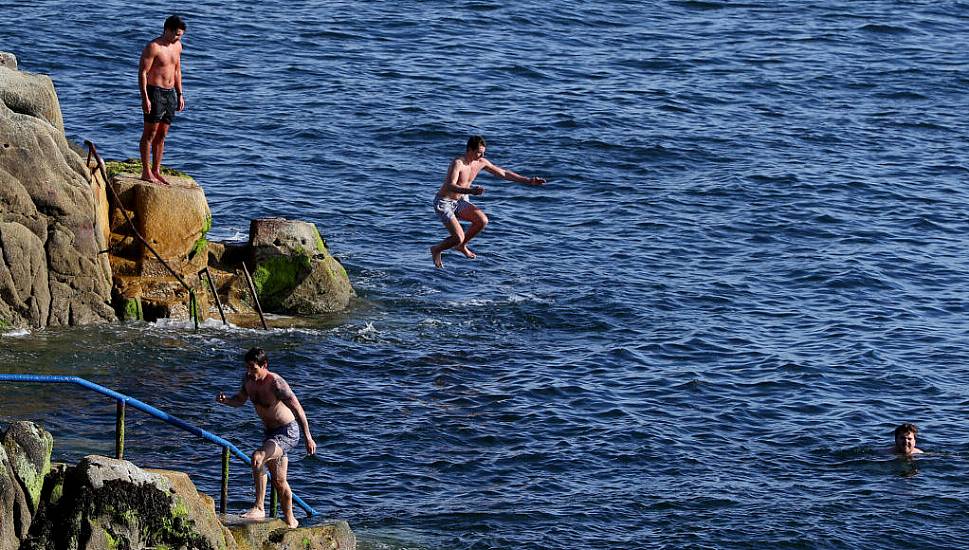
x,y
25,451
107,504
273,534
51,272
69,254
200,507
168,220
294,271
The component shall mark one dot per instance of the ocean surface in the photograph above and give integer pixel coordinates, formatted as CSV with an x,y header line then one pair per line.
x,y
748,266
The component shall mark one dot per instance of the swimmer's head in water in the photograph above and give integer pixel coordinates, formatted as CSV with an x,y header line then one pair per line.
x,y
905,438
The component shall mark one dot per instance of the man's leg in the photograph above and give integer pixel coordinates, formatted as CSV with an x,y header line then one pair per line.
x,y
455,238
478,221
269,451
279,468
147,139
158,150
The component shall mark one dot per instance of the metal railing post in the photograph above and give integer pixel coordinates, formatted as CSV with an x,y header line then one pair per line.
x,y
255,297
224,499
215,293
119,431
273,502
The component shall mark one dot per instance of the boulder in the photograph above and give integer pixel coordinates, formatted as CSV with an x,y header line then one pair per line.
x,y
273,534
293,271
108,504
200,507
25,451
173,220
334,535
252,535
45,189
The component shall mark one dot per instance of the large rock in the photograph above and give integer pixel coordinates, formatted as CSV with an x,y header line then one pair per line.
x,y
200,507
30,94
15,516
273,534
171,220
110,504
294,271
25,451
45,190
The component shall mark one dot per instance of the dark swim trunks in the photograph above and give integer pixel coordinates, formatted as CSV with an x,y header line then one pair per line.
x,y
285,436
164,103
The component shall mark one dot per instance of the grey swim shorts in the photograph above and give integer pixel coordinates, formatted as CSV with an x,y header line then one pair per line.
x,y
447,209
285,436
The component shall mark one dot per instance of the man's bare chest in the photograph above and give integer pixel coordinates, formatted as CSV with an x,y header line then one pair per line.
x,y
261,393
468,172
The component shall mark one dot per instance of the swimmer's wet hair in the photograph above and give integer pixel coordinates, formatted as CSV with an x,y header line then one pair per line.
x,y
257,356
906,428
474,142
174,23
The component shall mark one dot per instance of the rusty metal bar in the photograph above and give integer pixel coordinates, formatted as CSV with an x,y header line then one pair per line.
x,y
252,289
218,302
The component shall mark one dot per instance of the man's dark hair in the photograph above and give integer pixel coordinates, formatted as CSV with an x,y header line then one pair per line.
x,y
257,356
474,142
906,428
174,23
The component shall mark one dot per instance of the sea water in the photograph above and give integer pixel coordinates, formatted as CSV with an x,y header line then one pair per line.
x,y
749,263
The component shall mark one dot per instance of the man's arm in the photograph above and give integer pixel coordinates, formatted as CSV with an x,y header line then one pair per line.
x,y
144,65
512,176
178,80
286,395
236,400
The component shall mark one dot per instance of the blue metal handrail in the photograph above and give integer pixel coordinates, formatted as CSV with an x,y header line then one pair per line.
x,y
157,413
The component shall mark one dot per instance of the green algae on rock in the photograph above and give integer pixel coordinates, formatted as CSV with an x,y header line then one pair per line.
x,y
133,166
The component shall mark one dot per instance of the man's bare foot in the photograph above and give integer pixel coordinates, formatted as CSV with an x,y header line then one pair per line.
x,y
255,513
463,249
293,524
436,254
160,179
148,176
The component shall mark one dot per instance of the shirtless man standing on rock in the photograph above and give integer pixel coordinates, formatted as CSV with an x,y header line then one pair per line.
x,y
160,80
283,417
451,202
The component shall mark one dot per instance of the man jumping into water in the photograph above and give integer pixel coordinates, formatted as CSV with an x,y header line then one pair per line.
x,y
451,202
160,81
283,417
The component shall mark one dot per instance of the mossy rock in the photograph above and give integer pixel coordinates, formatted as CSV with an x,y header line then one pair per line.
x,y
133,310
109,503
277,277
133,166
